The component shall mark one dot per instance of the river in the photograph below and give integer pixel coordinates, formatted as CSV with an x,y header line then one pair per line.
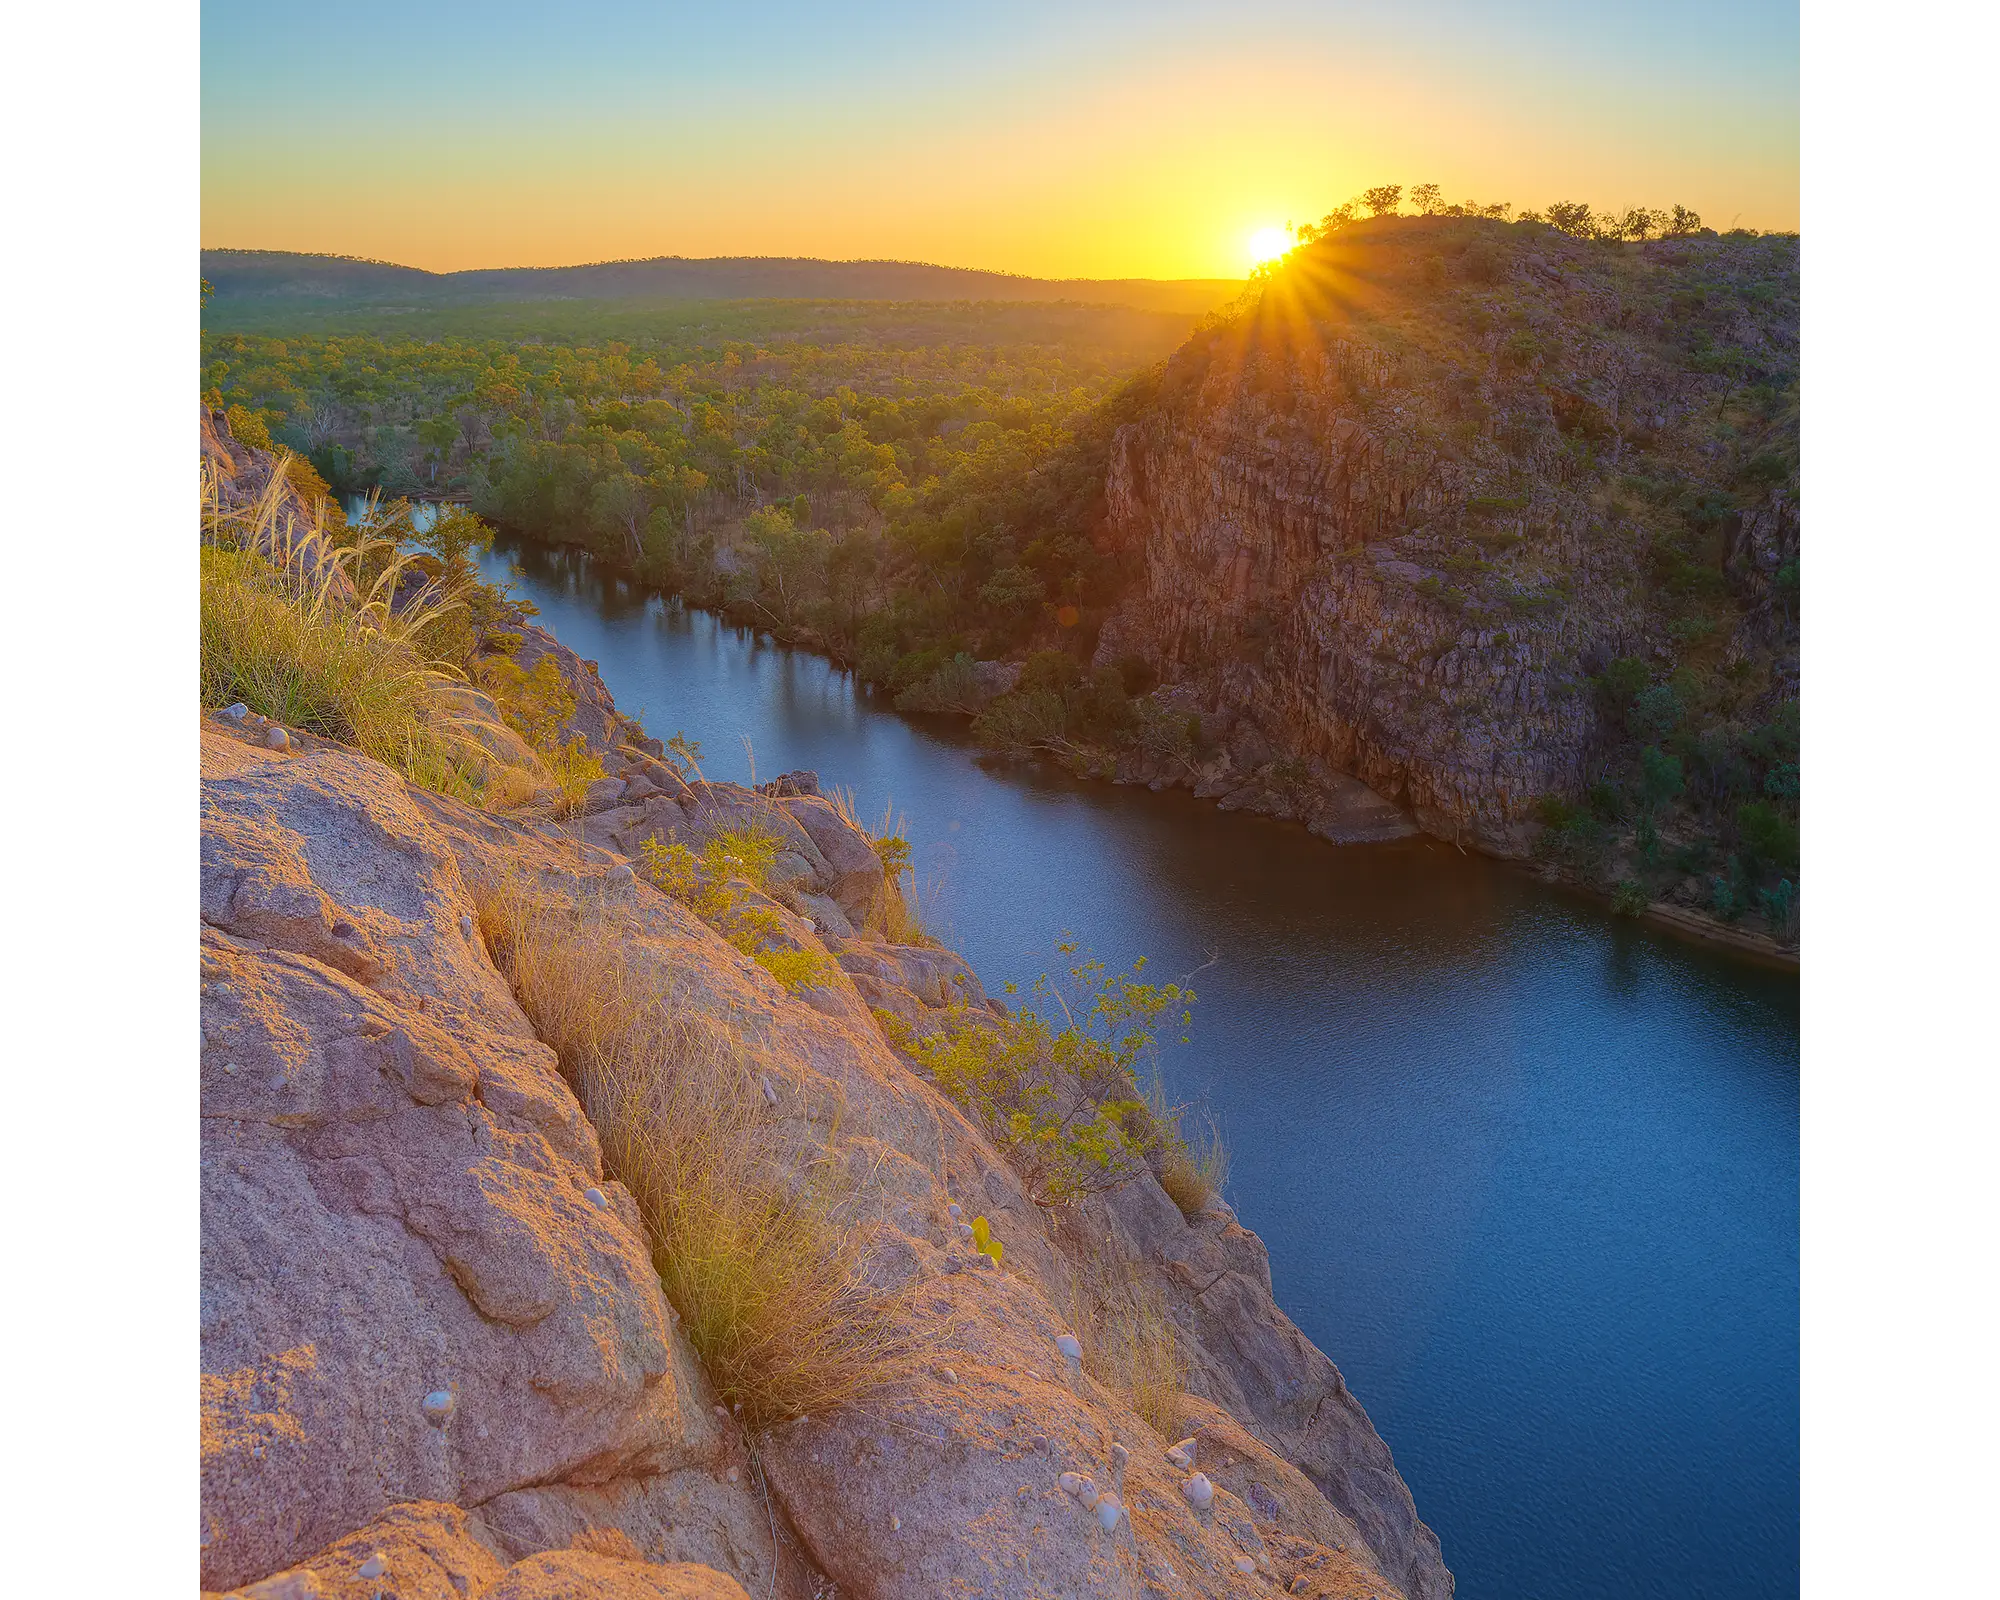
x,y
1528,1172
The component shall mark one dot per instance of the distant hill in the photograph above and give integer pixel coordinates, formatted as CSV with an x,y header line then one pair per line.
x,y
284,275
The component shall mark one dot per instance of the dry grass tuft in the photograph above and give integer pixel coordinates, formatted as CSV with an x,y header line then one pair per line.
x,y
1130,1343
898,915
761,1257
1192,1169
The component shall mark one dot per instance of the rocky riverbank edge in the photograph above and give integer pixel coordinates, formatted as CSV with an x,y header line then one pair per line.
x,y
1247,773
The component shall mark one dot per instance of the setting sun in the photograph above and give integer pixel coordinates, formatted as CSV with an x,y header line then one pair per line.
x,y
1267,244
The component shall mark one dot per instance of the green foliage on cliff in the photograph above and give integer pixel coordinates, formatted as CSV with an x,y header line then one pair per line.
x,y
1056,1089
1571,447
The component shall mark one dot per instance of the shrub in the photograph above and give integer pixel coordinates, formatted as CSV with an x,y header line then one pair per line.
x,y
1770,835
1781,908
1623,679
953,687
766,1265
984,1242
1660,775
1192,1170
1656,712
705,885
248,427
1629,899
537,705
1058,1094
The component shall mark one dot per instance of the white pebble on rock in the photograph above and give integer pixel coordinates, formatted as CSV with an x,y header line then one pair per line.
x,y
1109,1510
957,1212
374,1567
439,1404
1071,1347
465,923
277,739
598,1198
1245,1565
237,712
1182,1454
1199,1491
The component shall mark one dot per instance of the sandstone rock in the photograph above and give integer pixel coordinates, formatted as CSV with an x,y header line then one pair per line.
x,y
595,720
826,915
398,1200
790,784
684,1516
392,1185
579,1575
852,874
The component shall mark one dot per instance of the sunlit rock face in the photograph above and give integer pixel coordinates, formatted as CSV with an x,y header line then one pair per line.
x,y
1385,517
432,1336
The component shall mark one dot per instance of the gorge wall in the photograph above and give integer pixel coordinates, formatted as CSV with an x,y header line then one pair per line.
x,y
1398,514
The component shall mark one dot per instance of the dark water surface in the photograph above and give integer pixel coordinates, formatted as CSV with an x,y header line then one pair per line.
x,y
1529,1174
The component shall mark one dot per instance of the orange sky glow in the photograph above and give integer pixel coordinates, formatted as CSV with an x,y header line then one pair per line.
x,y
1168,167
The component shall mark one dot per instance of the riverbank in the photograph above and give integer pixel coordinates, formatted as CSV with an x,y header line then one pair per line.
x,y
974,1368
1242,772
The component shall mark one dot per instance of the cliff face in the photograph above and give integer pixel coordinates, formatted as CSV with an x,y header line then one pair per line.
x,y
1399,513
437,1360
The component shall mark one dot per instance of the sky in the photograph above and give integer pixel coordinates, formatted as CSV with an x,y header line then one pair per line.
x,y
1098,140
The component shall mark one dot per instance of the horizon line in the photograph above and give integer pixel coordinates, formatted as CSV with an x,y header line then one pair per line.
x,y
640,261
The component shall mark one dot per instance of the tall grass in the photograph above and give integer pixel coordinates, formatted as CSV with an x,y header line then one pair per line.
x,y
1193,1167
1130,1343
898,914
762,1258
304,632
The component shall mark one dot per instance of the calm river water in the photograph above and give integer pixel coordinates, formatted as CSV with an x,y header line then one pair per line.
x,y
1529,1174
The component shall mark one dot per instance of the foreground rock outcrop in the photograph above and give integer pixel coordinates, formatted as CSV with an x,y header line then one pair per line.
x,y
432,1336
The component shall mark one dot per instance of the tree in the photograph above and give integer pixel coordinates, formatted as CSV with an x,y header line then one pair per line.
x,y
1638,224
437,435
1383,199
1682,223
620,504
1428,198
1574,218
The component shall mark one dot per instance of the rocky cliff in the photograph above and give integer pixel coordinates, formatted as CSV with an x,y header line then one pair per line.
x,y
1394,521
437,1359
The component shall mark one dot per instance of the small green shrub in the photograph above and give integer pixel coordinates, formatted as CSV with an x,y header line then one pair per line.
x,y
1660,775
1629,899
705,885
953,687
1058,1094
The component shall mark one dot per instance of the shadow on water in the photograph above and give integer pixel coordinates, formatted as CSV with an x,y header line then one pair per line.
x,y
1529,1172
